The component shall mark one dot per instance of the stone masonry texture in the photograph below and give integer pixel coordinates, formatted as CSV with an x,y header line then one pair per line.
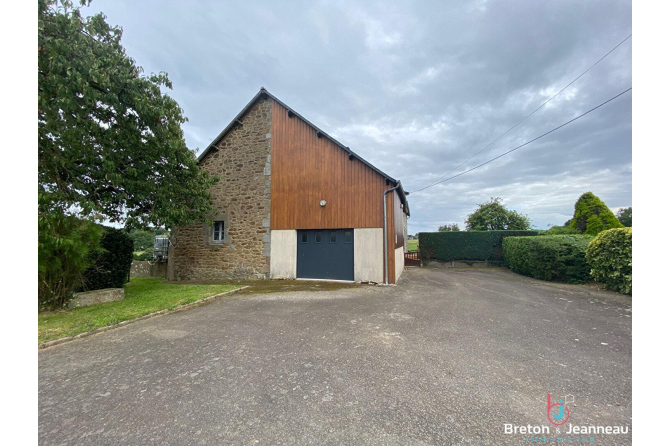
x,y
241,201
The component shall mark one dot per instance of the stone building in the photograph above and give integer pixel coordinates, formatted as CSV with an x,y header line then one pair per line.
x,y
292,202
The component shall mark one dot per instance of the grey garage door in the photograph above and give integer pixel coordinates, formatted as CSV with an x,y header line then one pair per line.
x,y
326,254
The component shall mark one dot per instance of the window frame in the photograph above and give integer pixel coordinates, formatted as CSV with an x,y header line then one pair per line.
x,y
221,233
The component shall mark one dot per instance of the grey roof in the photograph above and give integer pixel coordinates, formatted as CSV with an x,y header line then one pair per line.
x,y
262,93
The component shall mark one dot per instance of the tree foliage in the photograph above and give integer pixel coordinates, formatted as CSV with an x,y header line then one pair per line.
x,y
142,239
625,216
449,228
110,141
592,215
493,215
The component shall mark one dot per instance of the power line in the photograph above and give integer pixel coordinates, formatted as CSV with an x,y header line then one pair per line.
x,y
533,112
526,143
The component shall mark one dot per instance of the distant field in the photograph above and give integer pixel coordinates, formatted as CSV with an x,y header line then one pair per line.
x,y
412,245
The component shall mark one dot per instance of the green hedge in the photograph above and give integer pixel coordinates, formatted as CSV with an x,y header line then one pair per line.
x,y
110,266
466,245
561,230
560,258
610,256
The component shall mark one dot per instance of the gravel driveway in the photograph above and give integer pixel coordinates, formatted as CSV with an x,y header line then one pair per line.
x,y
449,356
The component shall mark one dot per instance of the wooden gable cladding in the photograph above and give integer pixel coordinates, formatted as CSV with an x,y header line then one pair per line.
x,y
306,169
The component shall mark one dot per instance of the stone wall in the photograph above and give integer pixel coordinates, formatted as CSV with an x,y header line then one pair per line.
x,y
145,268
241,200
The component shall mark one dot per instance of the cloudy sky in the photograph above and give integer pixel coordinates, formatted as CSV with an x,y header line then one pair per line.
x,y
416,88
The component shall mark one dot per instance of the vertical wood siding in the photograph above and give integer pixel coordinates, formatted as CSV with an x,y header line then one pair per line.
x,y
307,169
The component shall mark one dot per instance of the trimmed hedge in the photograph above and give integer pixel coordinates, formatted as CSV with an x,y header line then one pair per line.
x,y
561,230
560,258
466,245
610,256
110,266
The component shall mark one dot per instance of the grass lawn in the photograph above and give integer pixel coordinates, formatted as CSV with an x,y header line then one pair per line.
x,y
412,245
143,296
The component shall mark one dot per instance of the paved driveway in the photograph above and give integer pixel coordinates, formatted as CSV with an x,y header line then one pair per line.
x,y
446,357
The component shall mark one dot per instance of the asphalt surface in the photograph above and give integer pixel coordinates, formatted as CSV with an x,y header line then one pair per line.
x,y
445,357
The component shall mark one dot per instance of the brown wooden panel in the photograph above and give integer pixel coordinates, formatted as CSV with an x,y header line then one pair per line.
x,y
390,234
307,169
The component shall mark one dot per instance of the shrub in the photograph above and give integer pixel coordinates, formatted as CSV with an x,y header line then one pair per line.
x,y
592,215
560,258
110,266
65,245
610,256
469,245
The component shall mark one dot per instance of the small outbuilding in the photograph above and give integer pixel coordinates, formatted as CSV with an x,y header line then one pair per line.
x,y
292,203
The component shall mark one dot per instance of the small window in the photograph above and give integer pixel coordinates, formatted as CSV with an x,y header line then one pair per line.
x,y
333,237
317,237
217,232
303,237
348,237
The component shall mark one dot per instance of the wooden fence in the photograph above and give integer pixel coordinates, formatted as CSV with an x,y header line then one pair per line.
x,y
412,258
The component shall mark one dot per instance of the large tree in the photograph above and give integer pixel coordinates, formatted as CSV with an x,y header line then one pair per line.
x,y
493,215
110,140
449,228
592,215
625,216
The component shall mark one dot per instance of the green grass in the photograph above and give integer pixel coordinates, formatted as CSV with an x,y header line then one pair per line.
x,y
412,245
142,296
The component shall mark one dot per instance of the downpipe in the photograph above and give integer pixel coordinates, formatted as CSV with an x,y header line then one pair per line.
x,y
386,247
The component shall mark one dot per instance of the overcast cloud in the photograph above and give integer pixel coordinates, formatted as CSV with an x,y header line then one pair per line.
x,y
415,88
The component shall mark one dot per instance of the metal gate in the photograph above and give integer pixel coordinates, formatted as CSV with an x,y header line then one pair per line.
x,y
326,254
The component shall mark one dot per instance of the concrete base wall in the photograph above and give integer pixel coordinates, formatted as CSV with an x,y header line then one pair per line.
x,y
369,255
283,253
96,297
399,262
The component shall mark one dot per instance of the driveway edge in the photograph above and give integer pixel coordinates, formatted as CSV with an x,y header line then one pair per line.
x,y
146,316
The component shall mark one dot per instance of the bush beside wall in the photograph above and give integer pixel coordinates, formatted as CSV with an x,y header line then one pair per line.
x,y
65,246
467,245
610,256
111,266
560,258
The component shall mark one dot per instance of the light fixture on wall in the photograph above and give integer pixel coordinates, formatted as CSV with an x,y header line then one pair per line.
x,y
322,203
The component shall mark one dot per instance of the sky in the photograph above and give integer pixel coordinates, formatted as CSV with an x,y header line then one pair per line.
x,y
415,88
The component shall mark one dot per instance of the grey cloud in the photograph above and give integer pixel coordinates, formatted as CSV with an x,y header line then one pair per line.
x,y
415,88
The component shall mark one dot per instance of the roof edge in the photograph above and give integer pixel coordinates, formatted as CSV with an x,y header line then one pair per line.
x,y
264,93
